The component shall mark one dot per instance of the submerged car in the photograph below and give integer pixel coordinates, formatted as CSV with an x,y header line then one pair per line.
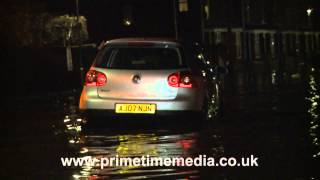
x,y
147,76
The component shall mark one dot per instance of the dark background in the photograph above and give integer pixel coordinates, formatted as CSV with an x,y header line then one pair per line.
x,y
271,102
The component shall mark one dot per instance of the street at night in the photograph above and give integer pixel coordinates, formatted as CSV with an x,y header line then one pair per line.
x,y
160,89
280,127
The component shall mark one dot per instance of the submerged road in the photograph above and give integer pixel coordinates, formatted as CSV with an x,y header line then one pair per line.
x,y
277,124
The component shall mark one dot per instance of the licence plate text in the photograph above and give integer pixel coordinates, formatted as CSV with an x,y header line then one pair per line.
x,y
136,108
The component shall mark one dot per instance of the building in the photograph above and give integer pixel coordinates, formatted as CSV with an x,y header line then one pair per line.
x,y
262,30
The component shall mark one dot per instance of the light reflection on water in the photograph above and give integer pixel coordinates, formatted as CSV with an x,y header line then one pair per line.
x,y
313,109
174,142
154,143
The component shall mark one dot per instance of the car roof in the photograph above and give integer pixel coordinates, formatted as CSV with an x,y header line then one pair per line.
x,y
144,40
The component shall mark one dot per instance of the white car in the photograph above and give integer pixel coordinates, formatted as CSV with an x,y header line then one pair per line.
x,y
145,76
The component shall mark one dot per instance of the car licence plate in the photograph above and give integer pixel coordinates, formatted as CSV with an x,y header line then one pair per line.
x,y
136,108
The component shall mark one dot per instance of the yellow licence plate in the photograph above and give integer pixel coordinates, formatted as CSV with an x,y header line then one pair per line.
x,y
136,108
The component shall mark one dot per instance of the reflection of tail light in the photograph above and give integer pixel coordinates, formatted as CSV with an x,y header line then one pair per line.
x,y
95,78
186,144
180,80
93,177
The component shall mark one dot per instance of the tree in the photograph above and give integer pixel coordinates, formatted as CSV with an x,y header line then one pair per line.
x,y
26,26
66,30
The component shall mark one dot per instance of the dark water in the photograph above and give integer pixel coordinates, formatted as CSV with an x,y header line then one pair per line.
x,y
277,124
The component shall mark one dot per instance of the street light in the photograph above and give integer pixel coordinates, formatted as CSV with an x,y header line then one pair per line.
x,y
127,22
309,11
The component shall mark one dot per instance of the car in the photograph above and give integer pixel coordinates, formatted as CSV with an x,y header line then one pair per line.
x,y
147,76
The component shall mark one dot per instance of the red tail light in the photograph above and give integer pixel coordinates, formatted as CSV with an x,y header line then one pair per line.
x,y
180,79
95,78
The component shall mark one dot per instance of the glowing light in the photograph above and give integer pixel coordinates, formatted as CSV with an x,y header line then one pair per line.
x,y
135,145
313,99
273,77
204,74
93,177
309,11
173,80
180,80
200,56
84,150
186,144
78,128
186,80
66,120
314,104
127,22
76,176
95,78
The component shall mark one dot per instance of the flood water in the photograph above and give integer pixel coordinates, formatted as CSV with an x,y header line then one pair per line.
x,y
277,124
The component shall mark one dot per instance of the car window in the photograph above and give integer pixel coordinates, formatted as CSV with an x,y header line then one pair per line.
x,y
141,58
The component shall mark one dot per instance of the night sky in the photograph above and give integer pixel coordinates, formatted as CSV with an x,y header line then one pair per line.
x,y
105,17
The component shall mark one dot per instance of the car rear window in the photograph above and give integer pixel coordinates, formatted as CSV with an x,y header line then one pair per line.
x,y
140,58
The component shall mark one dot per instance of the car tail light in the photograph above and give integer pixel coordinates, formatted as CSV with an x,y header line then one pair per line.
x,y
180,80
95,78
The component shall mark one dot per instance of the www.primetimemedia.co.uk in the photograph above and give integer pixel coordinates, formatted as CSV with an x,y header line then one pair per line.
x,y
149,161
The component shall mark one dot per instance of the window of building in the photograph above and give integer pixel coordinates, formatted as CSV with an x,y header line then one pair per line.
x,y
286,43
312,37
297,45
238,45
183,6
291,43
257,45
317,41
218,37
251,45
307,39
294,44
272,45
206,37
211,37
